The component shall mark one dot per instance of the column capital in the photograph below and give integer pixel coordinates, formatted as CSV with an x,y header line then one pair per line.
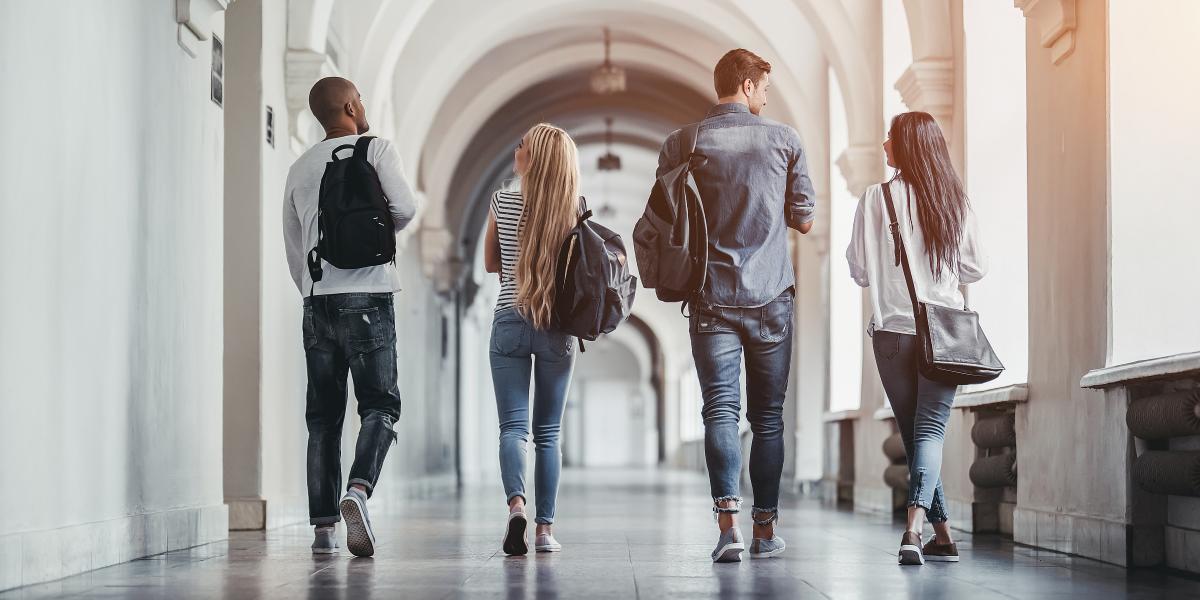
x,y
302,68
1055,22
928,85
861,166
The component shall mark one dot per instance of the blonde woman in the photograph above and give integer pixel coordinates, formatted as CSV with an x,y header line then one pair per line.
x,y
525,231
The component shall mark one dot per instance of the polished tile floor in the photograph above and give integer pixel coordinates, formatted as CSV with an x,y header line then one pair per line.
x,y
625,535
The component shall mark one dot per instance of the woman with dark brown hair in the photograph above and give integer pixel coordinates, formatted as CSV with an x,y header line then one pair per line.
x,y
938,231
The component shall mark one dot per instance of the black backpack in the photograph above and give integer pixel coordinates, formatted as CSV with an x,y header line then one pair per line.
x,y
671,237
354,225
594,289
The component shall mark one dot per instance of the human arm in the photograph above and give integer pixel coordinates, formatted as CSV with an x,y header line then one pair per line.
x,y
491,245
402,203
293,243
799,197
972,262
856,252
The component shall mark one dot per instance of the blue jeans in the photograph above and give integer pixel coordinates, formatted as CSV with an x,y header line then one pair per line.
x,y
922,409
353,333
515,345
720,336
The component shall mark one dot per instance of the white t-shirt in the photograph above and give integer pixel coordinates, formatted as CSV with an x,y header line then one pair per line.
x,y
300,201
873,264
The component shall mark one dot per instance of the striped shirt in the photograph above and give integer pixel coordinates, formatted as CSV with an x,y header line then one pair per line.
x,y
508,208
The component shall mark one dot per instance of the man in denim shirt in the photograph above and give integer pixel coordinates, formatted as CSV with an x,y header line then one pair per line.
x,y
754,186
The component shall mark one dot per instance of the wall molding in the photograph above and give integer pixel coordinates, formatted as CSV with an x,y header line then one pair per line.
x,y
1103,539
31,557
192,18
1055,22
1178,365
1010,394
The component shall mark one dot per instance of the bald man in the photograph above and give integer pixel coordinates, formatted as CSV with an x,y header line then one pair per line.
x,y
349,324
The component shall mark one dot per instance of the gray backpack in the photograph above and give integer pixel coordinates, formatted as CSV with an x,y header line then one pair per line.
x,y
671,237
594,289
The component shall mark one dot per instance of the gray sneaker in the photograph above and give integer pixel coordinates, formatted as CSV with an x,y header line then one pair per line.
x,y
729,546
760,548
360,539
324,540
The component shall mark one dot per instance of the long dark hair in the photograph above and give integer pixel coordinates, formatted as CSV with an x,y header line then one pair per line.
x,y
923,163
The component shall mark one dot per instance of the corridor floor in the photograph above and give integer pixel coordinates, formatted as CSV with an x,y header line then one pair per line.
x,y
642,534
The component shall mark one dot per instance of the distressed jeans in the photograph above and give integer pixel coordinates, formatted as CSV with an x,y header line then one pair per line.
x,y
519,351
922,409
353,333
720,337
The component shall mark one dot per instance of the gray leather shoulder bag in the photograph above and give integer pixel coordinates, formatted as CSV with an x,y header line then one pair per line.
x,y
953,347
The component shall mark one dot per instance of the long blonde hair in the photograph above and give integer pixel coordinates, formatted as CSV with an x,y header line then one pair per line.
x,y
550,189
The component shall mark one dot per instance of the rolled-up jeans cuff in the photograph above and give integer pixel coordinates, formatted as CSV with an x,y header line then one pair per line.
x,y
518,494
362,482
324,520
736,508
544,520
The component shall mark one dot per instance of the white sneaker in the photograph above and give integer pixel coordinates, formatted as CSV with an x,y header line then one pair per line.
x,y
547,543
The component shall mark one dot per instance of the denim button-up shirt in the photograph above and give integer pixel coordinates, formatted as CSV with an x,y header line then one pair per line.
x,y
753,187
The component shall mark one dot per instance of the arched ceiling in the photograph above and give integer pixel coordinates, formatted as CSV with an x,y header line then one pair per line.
x,y
652,107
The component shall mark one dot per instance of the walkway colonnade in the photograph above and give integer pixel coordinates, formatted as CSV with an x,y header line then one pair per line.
x,y
152,373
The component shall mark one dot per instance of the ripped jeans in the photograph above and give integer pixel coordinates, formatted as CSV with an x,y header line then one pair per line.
x,y
922,409
353,333
721,339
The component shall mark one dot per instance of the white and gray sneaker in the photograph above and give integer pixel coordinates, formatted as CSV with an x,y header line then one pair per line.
x,y
729,546
360,539
764,548
324,540
546,543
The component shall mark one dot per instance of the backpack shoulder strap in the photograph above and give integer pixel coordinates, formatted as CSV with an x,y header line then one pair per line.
x,y
585,213
361,146
688,141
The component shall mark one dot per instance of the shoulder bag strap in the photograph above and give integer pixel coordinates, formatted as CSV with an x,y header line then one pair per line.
x,y
898,248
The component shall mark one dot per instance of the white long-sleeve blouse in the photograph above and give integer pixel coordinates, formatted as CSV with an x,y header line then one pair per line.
x,y
873,266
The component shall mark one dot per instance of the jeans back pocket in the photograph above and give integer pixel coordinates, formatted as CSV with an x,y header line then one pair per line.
x,y
509,331
775,320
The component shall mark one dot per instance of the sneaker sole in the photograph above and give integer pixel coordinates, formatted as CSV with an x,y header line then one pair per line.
x,y
548,548
769,554
936,558
514,537
324,550
911,555
359,538
730,553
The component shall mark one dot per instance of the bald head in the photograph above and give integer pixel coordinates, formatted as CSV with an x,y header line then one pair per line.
x,y
335,102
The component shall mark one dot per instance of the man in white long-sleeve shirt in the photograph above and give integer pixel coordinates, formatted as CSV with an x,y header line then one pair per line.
x,y
349,324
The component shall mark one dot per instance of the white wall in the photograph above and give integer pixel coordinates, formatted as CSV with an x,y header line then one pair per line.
x,y
995,177
1154,147
110,216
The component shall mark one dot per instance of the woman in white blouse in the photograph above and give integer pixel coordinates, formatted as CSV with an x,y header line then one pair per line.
x,y
941,237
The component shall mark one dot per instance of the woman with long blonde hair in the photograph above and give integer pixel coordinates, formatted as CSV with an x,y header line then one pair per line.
x,y
525,231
